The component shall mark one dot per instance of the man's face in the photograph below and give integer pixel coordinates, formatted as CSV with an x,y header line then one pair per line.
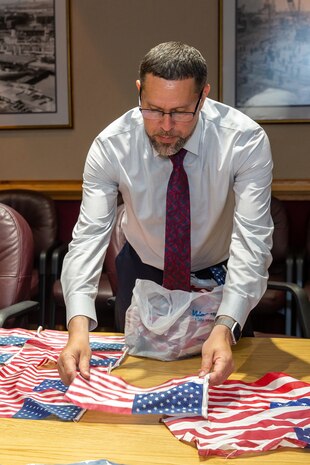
x,y
166,135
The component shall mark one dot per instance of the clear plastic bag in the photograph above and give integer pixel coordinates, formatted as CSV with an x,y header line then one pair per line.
x,y
168,325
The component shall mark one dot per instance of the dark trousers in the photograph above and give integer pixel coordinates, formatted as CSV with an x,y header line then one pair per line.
x,y
129,267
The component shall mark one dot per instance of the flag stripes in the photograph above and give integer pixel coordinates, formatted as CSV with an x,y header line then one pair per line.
x,y
112,394
30,386
244,417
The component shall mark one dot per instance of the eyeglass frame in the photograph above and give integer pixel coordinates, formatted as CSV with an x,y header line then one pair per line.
x,y
170,113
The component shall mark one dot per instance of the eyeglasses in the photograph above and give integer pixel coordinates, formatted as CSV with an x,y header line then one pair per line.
x,y
177,116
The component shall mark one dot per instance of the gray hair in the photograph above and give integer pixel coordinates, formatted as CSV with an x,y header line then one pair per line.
x,y
175,61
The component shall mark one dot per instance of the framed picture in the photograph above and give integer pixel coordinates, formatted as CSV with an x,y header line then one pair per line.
x,y
265,58
35,88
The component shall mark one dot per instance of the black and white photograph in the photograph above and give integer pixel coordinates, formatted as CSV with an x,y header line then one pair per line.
x,y
34,64
265,60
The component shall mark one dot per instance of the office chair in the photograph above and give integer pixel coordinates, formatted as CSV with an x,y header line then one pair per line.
x,y
284,306
16,265
40,213
303,264
107,284
274,311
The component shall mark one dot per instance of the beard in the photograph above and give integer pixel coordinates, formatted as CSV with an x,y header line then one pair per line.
x,y
167,150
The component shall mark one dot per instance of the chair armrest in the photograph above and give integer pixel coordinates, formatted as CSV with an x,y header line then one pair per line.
x,y
301,300
18,309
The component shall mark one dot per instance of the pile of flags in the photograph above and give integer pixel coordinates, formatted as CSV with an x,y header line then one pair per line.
x,y
227,420
30,386
272,412
234,418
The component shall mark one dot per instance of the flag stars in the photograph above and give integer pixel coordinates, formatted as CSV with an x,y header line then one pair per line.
x,y
13,341
180,399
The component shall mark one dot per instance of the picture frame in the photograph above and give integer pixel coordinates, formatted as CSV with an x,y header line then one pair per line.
x,y
264,59
35,77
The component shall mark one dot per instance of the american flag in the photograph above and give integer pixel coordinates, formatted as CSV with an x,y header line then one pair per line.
x,y
30,386
269,413
33,392
107,351
187,395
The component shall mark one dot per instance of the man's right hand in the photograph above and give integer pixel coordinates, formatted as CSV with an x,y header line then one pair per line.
x,y
75,356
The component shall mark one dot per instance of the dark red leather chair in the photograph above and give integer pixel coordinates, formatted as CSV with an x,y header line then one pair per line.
x,y
107,284
303,264
283,307
16,266
40,213
273,313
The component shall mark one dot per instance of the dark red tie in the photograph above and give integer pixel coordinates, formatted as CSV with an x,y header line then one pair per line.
x,y
177,266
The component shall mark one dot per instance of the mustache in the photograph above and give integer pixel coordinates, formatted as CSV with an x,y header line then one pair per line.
x,y
166,134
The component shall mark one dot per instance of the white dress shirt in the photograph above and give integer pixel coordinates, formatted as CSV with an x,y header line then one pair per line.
x,y
229,168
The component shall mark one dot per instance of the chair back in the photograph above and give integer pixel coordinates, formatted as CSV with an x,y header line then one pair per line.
x,y
280,236
267,315
16,257
40,213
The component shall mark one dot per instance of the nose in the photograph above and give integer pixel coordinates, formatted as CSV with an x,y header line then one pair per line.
x,y
167,122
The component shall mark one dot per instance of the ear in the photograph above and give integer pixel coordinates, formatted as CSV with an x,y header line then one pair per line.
x,y
206,91
138,85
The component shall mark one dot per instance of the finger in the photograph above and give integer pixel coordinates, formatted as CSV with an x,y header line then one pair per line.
x,y
221,370
206,366
67,370
84,367
216,379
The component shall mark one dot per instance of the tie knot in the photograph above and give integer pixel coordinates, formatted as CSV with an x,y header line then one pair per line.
x,y
177,158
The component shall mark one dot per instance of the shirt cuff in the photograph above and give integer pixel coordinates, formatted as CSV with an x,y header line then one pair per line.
x,y
82,305
236,307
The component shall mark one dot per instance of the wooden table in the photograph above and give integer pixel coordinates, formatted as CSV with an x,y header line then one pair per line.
x,y
141,439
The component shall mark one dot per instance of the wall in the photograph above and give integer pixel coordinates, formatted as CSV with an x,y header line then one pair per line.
x,y
108,38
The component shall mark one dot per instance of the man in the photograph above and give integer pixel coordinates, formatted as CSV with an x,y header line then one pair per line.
x,y
228,164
